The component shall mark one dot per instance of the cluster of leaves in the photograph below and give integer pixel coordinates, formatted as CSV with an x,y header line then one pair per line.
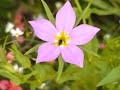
x,y
101,65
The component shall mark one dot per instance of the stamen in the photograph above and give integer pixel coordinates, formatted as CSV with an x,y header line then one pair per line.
x,y
62,39
58,34
55,40
68,42
61,46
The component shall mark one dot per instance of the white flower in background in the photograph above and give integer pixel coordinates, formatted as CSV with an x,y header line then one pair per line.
x,y
9,27
20,70
42,85
17,68
39,16
107,36
16,32
58,5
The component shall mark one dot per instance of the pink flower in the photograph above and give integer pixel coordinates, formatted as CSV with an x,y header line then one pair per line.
x,y
12,86
102,45
20,39
4,85
9,57
18,21
20,26
64,38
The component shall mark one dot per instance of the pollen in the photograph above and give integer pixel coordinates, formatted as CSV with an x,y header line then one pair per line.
x,y
62,39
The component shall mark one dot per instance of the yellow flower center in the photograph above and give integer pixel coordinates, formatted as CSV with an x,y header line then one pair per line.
x,y
62,39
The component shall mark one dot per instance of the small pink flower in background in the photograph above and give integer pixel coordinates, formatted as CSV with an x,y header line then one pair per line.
x,y
101,45
6,85
18,18
20,25
18,22
9,57
20,39
12,86
64,38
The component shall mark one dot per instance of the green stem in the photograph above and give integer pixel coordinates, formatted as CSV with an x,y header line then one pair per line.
x,y
4,44
83,13
78,5
84,20
80,10
60,68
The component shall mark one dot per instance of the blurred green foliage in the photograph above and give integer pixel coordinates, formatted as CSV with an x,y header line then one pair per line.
x,y
102,55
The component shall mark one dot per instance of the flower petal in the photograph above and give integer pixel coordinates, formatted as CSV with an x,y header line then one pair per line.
x,y
74,55
83,34
9,26
65,18
43,29
47,52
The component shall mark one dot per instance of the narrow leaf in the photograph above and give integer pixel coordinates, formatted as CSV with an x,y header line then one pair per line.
x,y
35,48
89,51
2,55
7,67
102,4
5,42
23,60
83,13
10,76
48,12
113,76
44,72
60,68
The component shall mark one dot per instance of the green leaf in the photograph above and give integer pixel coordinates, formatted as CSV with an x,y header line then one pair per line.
x,y
35,48
48,12
2,55
10,76
93,45
34,84
60,68
113,76
73,72
101,4
9,3
23,60
7,66
91,48
114,11
6,38
78,5
27,76
83,13
89,51
44,72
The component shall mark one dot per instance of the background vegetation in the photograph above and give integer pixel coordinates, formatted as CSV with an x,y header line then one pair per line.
x,y
102,55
